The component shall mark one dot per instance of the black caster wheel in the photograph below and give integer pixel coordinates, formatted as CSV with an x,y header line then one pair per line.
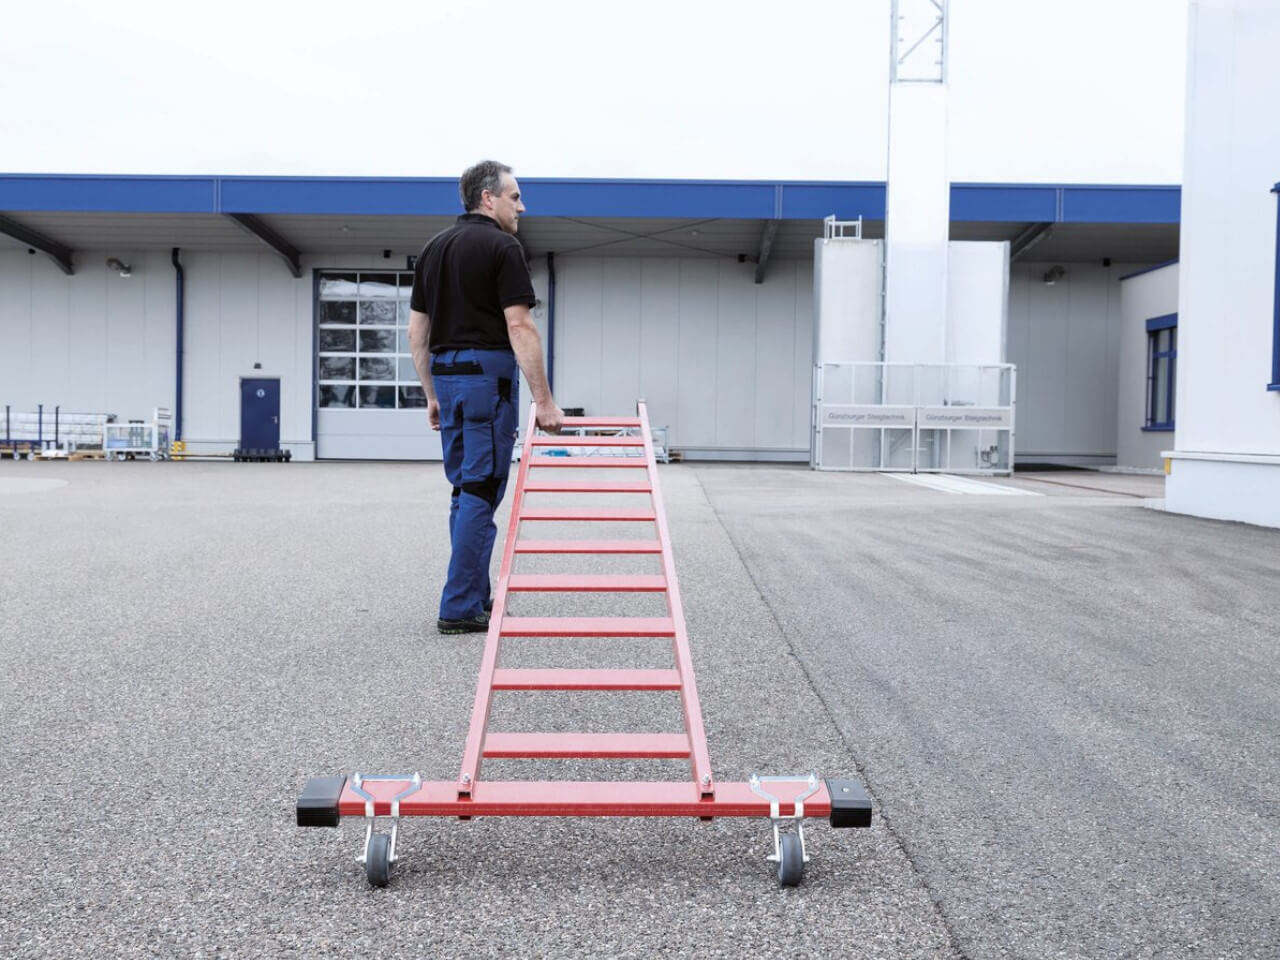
x,y
790,860
377,860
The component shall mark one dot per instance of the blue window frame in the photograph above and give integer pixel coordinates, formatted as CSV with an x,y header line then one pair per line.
x,y
1162,362
1275,334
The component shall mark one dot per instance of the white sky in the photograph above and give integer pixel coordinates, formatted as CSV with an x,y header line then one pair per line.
x,y
1071,91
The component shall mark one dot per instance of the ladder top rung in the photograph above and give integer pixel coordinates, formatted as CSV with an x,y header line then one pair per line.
x,y
589,462
587,513
588,546
542,679
587,627
544,440
586,583
587,486
653,746
602,422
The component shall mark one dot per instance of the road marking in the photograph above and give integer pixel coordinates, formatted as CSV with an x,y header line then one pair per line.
x,y
949,483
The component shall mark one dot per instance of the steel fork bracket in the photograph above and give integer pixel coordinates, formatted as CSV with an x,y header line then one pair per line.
x,y
776,816
357,784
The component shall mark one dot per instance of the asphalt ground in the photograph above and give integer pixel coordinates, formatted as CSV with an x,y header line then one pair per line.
x,y
184,644
1065,707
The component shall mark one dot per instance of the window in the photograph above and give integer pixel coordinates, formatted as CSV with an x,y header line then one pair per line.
x,y
1162,362
362,341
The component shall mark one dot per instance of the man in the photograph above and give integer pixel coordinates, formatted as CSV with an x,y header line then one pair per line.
x,y
469,327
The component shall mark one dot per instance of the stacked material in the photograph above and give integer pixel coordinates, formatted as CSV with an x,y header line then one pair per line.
x,y
70,430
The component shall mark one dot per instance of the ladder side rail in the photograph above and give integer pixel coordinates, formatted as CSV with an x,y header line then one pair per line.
x,y
699,756
472,752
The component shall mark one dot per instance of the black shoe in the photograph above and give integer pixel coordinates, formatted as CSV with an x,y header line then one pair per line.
x,y
474,625
488,605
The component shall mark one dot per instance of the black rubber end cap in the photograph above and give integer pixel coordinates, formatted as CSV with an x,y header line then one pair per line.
x,y
318,802
850,805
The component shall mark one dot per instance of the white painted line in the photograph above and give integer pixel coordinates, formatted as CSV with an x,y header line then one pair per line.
x,y
949,483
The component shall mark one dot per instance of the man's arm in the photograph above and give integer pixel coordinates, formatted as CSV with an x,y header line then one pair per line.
x,y
528,349
419,332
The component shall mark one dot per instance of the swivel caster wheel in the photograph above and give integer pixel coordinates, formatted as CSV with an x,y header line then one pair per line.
x,y
790,860
377,860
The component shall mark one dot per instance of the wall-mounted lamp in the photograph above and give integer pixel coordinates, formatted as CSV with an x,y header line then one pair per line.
x,y
119,266
1053,275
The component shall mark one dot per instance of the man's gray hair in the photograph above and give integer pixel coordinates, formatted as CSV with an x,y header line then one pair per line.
x,y
485,175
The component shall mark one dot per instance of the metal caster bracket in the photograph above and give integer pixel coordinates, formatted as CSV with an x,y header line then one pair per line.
x,y
788,871
378,872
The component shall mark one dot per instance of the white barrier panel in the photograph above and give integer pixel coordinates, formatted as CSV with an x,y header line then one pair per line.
x,y
918,418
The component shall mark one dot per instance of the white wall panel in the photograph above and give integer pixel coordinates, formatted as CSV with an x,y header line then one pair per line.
x,y
1148,295
977,301
696,359
619,358
659,340
773,381
90,342
735,356
1064,339
724,363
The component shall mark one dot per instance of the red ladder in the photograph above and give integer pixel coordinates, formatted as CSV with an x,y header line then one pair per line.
x,y
325,800
540,472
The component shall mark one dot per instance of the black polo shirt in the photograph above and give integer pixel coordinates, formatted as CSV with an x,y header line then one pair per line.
x,y
465,277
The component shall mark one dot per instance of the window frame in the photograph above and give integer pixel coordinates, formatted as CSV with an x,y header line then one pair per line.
x,y
1156,326
1275,332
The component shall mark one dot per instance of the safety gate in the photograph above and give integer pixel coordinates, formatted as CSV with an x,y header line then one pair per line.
x,y
623,448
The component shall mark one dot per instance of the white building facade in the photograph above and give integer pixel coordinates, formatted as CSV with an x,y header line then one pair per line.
x,y
1225,460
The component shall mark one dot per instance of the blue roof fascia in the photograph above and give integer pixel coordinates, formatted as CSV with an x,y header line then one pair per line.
x,y
1056,203
686,199
69,192
1122,204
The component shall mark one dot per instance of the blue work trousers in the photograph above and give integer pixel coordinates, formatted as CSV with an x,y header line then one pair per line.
x,y
479,394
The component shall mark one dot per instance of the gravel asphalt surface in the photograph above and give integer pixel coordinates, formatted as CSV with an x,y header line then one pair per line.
x,y
1065,707
185,644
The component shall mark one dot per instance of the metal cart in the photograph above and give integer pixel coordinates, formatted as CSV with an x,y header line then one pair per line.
x,y
135,439
385,799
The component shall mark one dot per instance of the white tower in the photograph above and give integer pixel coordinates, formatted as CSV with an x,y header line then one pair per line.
x,y
918,202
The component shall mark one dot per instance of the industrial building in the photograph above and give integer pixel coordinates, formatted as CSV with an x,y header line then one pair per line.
x,y
696,295
1143,321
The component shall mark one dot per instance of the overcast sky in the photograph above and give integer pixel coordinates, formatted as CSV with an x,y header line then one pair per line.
x,y
1041,90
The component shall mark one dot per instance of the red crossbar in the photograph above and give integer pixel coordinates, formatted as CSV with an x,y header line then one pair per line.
x,y
585,583
547,679
586,627
602,422
587,486
569,798
634,463
542,440
588,546
599,799
594,514
591,746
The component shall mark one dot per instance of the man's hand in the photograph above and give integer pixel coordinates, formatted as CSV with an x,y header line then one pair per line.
x,y
549,417
433,414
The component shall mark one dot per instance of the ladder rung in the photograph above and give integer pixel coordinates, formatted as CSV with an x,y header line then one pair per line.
x,y
543,440
531,679
586,583
587,627
587,486
654,746
591,462
587,513
588,546
602,422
